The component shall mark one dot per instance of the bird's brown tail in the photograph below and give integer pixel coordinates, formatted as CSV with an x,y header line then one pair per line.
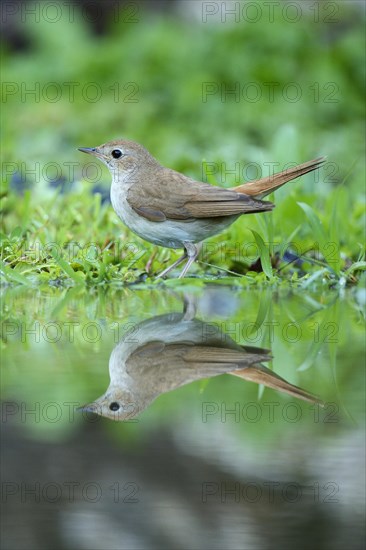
x,y
264,186
261,375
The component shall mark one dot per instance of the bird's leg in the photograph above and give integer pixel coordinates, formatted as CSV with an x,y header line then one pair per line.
x,y
176,263
150,261
192,251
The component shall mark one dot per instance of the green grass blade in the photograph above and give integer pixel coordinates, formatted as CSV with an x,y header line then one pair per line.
x,y
264,255
76,276
13,275
315,223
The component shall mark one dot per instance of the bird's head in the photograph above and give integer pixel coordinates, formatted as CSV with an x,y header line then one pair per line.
x,y
114,404
122,157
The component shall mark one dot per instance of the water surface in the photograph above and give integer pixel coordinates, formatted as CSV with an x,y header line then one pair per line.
x,y
200,453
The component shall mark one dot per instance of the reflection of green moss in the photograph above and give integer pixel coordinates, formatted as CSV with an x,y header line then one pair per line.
x,y
152,75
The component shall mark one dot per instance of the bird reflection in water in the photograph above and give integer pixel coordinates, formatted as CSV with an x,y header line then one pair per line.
x,y
165,352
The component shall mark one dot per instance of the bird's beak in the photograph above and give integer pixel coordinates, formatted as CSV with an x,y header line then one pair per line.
x,y
90,407
93,151
89,150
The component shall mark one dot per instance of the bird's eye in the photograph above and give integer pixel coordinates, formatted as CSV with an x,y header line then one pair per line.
x,y
114,406
116,153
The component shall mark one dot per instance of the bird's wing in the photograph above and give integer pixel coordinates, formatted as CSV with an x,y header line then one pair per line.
x,y
184,362
173,196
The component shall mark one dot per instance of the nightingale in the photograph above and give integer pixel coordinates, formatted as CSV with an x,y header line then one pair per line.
x,y
168,351
169,209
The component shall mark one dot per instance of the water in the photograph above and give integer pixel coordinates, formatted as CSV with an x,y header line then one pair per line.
x,y
195,457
